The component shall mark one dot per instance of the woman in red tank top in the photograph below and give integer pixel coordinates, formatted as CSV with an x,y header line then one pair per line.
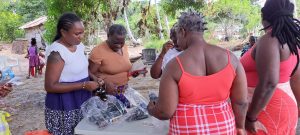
x,y
203,90
272,74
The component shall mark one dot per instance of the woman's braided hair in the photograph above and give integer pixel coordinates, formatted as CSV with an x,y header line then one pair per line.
x,y
192,21
279,13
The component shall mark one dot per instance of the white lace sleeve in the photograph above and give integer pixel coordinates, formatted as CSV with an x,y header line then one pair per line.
x,y
56,48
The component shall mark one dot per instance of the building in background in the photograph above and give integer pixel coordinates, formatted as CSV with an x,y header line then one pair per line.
x,y
35,29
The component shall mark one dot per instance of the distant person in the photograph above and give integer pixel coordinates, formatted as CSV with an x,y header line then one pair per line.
x,y
32,55
273,74
226,39
169,51
66,78
42,63
252,41
203,90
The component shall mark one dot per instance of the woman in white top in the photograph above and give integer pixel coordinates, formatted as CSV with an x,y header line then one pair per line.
x,y
66,79
169,51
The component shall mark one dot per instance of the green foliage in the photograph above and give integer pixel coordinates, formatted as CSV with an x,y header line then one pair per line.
x,y
30,10
9,22
172,6
87,10
92,12
239,11
231,14
298,6
134,16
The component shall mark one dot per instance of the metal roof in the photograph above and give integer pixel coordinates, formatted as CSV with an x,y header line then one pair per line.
x,y
34,23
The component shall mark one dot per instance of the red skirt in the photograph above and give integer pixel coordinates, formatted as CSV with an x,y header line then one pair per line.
x,y
280,116
215,119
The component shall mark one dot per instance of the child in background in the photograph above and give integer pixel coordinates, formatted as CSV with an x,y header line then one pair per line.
x,y
33,58
42,62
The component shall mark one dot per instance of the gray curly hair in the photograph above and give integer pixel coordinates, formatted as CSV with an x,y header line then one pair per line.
x,y
192,21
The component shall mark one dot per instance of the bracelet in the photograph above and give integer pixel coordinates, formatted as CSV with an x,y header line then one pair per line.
x,y
83,85
250,120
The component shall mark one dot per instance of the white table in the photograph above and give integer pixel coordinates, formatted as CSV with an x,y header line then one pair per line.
x,y
141,127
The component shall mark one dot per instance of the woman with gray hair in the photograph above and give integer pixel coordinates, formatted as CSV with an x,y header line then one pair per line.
x,y
203,90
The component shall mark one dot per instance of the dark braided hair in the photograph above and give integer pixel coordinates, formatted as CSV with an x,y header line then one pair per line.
x,y
192,21
65,22
284,27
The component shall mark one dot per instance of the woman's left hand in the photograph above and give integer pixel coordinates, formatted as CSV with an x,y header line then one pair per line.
x,y
253,127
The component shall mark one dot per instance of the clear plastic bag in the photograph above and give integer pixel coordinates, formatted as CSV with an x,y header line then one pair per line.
x,y
113,111
103,113
138,104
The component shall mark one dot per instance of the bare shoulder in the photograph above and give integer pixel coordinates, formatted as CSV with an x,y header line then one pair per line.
x,y
267,40
54,58
173,69
99,47
221,53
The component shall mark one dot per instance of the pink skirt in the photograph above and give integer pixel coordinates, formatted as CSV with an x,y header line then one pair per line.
x,y
280,116
33,61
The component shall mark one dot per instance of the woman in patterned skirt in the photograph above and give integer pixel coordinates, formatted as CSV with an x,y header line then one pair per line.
x,y
66,79
203,91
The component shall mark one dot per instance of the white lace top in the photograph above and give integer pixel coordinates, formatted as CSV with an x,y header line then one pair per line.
x,y
172,53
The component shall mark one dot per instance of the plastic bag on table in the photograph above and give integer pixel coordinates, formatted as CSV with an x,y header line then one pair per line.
x,y
139,103
103,113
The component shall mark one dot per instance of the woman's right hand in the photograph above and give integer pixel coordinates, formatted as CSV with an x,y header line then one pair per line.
x,y
91,85
168,45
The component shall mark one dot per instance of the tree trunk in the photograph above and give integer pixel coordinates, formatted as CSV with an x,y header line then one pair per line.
x,y
167,24
161,36
128,29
